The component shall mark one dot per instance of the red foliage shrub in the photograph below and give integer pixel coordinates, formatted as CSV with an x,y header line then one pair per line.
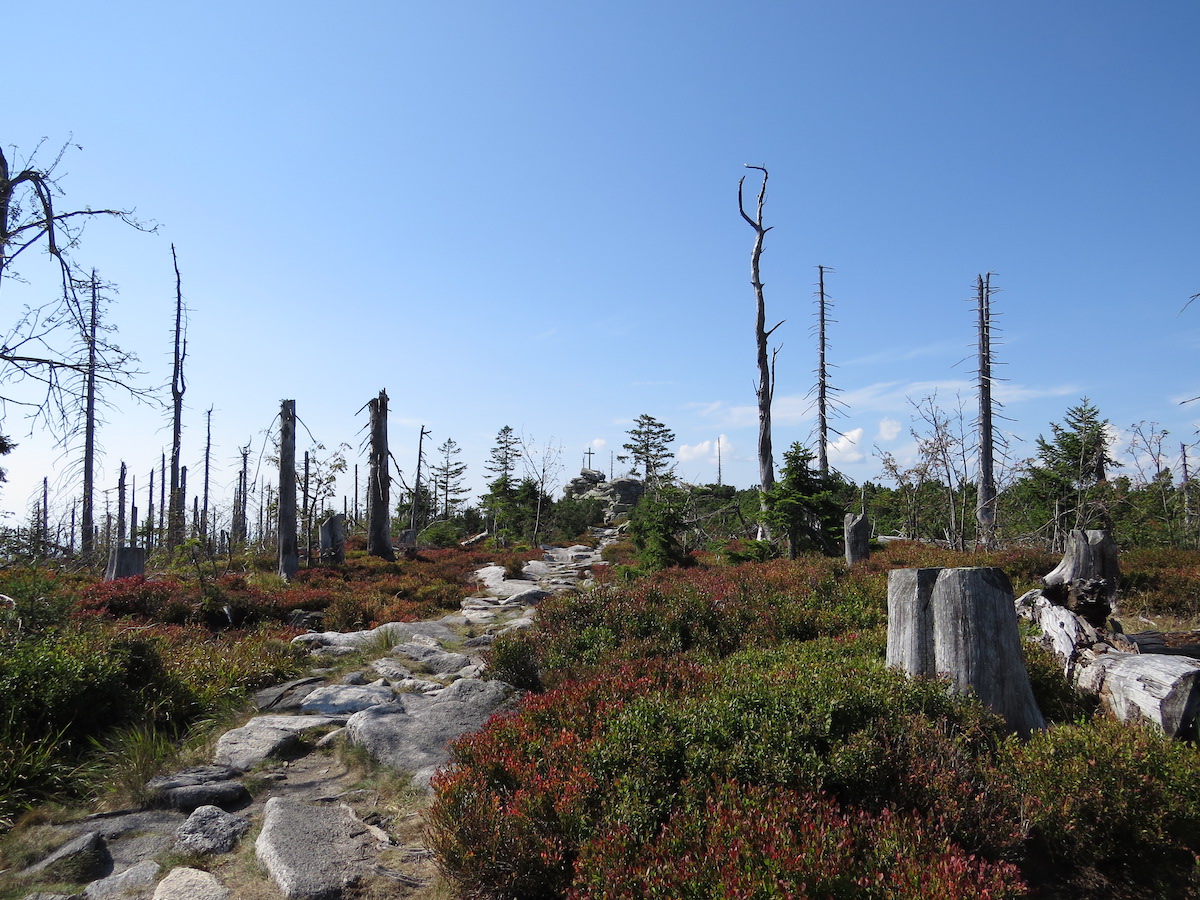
x,y
163,599
508,817
751,843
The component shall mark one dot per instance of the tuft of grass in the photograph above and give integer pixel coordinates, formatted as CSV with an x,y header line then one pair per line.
x,y
128,759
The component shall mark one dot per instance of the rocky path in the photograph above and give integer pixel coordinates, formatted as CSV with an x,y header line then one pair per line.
x,y
291,805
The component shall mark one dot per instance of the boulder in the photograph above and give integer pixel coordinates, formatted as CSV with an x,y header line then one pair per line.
x,y
135,881
414,733
210,830
185,883
79,859
198,786
433,659
311,852
391,670
287,696
530,597
264,737
344,699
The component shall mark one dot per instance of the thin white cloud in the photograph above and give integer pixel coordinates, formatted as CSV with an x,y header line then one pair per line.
x,y
889,429
1014,393
896,355
707,451
599,443
847,448
706,409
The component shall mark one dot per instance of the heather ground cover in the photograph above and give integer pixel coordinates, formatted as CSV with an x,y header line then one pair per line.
x,y
731,731
93,673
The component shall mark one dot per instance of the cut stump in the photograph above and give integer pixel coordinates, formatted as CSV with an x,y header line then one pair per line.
x,y
961,623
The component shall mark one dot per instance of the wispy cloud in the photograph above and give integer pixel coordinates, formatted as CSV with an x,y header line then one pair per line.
x,y
1007,393
847,448
903,354
707,450
889,429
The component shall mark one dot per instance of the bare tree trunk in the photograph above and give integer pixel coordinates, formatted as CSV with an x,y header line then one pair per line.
x,y
985,503
379,531
765,389
825,398
289,558
150,514
178,386
123,561
333,539
121,507
1088,577
162,497
88,546
962,622
306,514
1186,489
44,519
858,537
416,497
207,463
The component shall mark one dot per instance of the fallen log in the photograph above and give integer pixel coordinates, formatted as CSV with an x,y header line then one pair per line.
x,y
1163,690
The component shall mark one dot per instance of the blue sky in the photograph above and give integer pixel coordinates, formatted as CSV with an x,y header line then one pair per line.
x,y
525,214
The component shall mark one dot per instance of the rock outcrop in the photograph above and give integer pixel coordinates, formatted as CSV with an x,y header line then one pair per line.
x,y
618,495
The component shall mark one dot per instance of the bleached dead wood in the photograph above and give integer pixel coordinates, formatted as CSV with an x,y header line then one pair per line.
x,y
961,623
1087,578
858,538
1163,690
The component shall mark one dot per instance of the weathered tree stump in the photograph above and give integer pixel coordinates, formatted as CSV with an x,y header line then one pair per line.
x,y
333,539
961,623
125,562
1087,579
858,538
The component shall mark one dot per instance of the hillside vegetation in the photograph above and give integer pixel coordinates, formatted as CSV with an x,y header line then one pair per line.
x,y
717,730
732,731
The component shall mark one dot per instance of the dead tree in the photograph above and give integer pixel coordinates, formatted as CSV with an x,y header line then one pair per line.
x,y
289,558
87,545
124,560
857,529
962,623
826,399
379,530
765,389
30,348
203,517
1088,577
178,386
985,499
414,513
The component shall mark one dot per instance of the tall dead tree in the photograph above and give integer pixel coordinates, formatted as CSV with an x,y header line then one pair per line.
x,y
87,545
150,514
379,526
178,386
203,517
826,394
416,497
289,558
36,347
985,502
765,389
